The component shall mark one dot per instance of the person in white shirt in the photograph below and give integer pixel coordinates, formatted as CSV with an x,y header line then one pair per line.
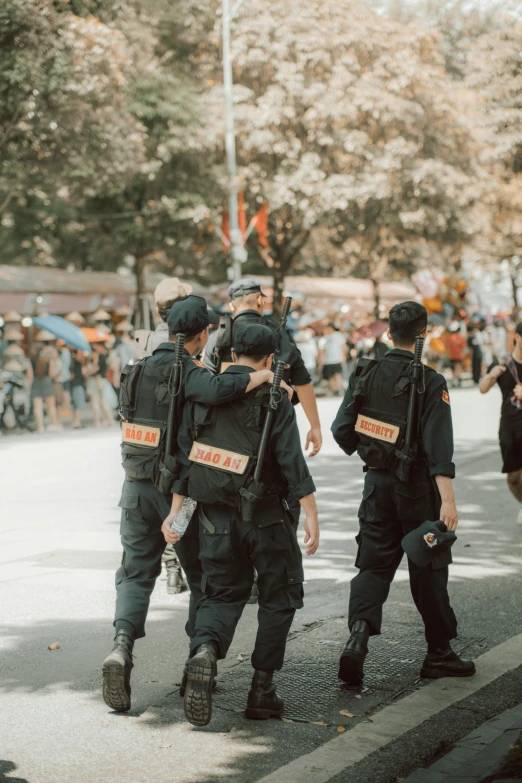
x,y
332,356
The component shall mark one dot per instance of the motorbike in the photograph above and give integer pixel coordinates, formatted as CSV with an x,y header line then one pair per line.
x,y
14,402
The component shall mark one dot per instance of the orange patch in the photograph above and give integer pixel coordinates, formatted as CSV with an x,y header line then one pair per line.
x,y
446,397
212,456
140,434
196,361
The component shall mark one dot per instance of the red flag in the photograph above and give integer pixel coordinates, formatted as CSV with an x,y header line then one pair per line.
x,y
242,214
260,223
225,228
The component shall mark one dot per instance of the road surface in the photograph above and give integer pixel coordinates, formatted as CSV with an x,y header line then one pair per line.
x,y
59,548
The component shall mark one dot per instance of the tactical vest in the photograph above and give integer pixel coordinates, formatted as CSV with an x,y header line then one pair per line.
x,y
226,440
380,398
144,406
286,350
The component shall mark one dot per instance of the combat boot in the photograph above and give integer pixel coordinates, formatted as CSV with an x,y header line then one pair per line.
x,y
351,664
116,669
184,679
201,672
175,582
444,662
263,701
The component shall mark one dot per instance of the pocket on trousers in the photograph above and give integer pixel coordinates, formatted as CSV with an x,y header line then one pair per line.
x,y
215,540
274,530
132,522
414,501
294,587
366,503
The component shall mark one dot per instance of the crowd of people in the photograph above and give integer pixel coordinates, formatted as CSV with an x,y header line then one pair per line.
x,y
46,384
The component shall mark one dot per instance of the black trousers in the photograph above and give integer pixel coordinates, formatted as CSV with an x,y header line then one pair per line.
x,y
390,510
143,509
230,549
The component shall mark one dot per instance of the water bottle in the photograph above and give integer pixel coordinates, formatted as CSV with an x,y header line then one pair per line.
x,y
183,517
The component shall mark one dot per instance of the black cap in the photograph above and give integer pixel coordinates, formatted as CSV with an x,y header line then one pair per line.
x,y
428,541
254,340
248,285
189,316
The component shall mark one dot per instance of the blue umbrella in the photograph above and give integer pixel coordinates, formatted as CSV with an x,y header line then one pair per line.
x,y
64,330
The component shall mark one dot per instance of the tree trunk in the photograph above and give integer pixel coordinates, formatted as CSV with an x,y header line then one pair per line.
x,y
377,300
278,287
141,306
514,287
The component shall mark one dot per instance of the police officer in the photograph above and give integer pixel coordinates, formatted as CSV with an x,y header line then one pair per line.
x,y
371,421
223,457
148,486
248,305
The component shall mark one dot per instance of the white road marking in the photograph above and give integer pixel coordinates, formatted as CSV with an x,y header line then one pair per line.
x,y
348,749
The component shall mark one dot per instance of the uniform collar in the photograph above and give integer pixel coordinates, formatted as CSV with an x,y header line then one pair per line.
x,y
238,369
247,312
399,353
168,346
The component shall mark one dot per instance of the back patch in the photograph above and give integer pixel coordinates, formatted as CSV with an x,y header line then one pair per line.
x,y
379,430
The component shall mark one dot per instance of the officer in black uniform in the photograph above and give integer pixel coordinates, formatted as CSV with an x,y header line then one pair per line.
x,y
148,486
247,305
371,421
226,440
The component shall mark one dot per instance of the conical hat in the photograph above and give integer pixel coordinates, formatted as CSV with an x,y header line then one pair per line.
x,y
103,328
101,315
12,333
13,350
124,326
12,317
43,336
13,366
124,310
75,317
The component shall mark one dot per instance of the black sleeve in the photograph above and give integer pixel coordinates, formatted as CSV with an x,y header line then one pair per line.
x,y
201,386
208,356
343,428
437,427
286,448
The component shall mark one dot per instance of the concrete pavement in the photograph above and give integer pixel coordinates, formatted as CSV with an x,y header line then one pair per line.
x,y
60,547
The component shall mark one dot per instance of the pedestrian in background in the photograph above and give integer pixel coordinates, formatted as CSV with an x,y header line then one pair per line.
x,y
307,345
96,386
455,343
476,352
45,370
508,376
332,356
78,387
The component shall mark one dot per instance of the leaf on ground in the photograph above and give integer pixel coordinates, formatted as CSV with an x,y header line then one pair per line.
x,y
240,658
466,545
340,729
346,714
393,642
287,720
358,696
54,646
318,723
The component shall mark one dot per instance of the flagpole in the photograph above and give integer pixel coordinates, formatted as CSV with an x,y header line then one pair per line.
x,y
238,250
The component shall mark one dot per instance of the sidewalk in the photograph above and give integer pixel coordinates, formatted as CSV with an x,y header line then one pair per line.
x,y
491,753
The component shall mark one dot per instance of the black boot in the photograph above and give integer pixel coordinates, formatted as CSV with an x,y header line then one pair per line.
x,y
351,664
263,701
116,670
183,686
444,662
201,671
175,582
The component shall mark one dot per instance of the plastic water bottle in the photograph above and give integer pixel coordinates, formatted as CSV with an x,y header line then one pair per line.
x,y
183,517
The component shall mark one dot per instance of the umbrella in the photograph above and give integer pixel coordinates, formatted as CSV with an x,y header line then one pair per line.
x,y
94,335
63,330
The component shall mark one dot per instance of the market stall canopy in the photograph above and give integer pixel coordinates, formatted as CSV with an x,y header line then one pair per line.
x,y
32,289
71,335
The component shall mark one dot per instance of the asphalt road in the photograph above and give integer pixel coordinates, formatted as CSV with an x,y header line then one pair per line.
x,y
59,548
